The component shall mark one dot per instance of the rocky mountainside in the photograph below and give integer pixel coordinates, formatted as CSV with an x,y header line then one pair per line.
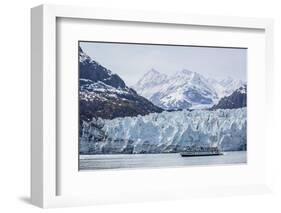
x,y
104,94
237,99
184,90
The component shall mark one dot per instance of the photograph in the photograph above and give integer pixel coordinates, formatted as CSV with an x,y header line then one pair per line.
x,y
144,105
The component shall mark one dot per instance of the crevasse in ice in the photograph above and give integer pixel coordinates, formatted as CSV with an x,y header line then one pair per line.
x,y
166,132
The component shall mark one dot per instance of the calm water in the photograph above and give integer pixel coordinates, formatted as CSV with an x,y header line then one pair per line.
x,y
95,162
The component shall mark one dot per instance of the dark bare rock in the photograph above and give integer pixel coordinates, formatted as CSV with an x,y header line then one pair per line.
x,y
237,99
103,94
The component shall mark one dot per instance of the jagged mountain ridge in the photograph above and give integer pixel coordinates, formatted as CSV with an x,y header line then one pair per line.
x,y
90,69
237,99
184,90
105,95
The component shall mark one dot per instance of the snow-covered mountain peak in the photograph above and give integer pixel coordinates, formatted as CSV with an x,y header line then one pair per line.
x,y
243,89
188,76
152,76
83,57
87,60
230,81
152,72
230,85
225,80
185,89
236,99
185,72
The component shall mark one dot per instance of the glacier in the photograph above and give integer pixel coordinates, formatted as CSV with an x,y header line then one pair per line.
x,y
166,132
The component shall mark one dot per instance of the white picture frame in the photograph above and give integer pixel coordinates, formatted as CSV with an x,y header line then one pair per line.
x,y
44,149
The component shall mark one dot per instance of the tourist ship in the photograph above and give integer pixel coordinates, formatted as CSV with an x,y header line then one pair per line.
x,y
202,151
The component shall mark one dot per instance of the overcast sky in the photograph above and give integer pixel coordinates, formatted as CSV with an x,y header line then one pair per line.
x,y
132,61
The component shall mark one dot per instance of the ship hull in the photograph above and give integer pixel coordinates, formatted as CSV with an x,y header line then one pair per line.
x,y
198,154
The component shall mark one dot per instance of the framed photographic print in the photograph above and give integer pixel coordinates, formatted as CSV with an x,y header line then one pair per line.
x,y
176,117
149,106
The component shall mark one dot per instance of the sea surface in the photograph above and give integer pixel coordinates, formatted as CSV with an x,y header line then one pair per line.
x,y
120,161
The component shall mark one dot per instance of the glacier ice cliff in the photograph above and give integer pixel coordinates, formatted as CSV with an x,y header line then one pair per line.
x,y
166,132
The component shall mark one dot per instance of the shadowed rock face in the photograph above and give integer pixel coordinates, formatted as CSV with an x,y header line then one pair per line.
x,y
91,70
237,99
105,95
